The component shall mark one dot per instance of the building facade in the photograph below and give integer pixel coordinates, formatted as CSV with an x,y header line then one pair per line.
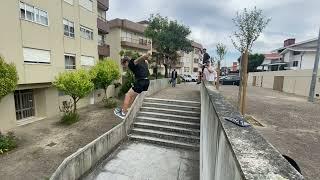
x,y
44,38
189,62
127,35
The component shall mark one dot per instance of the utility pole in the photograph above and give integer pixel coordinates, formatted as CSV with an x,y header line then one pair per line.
x,y
314,73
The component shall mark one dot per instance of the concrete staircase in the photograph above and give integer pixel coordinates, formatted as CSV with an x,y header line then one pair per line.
x,y
168,122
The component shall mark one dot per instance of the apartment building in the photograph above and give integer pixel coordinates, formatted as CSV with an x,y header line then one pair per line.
x,y
127,35
44,38
189,62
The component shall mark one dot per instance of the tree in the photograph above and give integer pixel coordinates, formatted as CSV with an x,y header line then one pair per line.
x,y
255,60
8,78
104,73
249,25
76,84
168,37
221,51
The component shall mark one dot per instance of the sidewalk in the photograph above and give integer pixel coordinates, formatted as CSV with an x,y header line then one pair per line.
x,y
291,124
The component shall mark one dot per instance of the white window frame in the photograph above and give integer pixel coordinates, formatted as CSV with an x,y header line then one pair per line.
x,y
85,63
69,24
86,33
67,66
293,63
37,14
35,61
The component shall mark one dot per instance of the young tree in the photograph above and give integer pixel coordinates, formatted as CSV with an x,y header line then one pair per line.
x,y
255,60
221,51
104,73
168,37
8,78
249,25
76,84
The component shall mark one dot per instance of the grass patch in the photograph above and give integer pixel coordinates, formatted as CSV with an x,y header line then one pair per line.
x,y
70,118
109,103
253,121
7,142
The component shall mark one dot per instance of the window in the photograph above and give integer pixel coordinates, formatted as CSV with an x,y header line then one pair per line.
x,y
101,39
195,69
69,1
195,60
86,33
68,28
36,56
33,14
87,61
87,4
295,63
186,69
296,53
70,61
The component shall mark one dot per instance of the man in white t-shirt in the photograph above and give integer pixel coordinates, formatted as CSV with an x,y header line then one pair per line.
x,y
209,73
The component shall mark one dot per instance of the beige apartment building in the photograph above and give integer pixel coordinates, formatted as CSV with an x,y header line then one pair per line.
x,y
44,38
189,62
127,35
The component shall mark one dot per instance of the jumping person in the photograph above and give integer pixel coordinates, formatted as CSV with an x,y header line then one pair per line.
x,y
205,60
139,67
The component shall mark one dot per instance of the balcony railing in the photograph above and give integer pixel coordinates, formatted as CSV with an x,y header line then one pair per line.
x,y
103,25
103,4
103,49
136,42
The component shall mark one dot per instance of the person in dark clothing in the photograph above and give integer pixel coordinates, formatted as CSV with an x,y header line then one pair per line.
x,y
174,76
140,69
205,60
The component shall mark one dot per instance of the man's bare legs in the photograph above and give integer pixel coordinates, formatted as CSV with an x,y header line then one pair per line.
x,y
128,100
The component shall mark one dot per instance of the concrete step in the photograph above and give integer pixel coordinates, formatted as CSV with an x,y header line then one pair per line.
x,y
170,111
166,135
175,102
169,116
185,124
167,128
171,106
164,142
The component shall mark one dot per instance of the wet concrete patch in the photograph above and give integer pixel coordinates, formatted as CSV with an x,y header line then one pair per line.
x,y
140,161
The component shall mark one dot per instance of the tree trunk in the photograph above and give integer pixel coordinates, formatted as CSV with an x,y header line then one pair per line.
x,y
74,104
218,75
243,83
166,70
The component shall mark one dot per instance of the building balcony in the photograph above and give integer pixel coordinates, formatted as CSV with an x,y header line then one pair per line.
x,y
103,25
104,50
103,4
178,65
136,43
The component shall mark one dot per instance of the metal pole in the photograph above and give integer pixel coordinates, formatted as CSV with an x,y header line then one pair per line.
x,y
314,73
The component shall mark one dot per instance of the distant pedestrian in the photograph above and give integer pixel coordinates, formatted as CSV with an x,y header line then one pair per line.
x,y
174,76
209,74
205,60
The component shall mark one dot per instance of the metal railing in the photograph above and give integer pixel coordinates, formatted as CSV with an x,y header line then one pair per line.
x,y
140,41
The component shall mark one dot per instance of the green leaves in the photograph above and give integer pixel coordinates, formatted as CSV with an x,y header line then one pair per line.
x,y
221,51
8,78
104,73
249,25
76,84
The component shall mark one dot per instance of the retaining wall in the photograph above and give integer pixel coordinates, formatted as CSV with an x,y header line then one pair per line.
x,y
230,152
74,166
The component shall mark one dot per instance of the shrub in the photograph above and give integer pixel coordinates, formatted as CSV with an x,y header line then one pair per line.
x,y
8,78
70,118
109,103
153,76
128,80
76,84
7,142
179,80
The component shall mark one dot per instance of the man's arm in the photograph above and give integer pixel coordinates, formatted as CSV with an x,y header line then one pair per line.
x,y
141,59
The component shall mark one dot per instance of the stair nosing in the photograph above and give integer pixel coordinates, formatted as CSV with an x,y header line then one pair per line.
x,y
170,100
163,140
168,120
173,105
170,115
171,110
169,127
167,133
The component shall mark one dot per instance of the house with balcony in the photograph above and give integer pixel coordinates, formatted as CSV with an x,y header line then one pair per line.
x,y
42,39
127,35
189,62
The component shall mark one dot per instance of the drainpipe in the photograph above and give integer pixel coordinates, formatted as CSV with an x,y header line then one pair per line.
x,y
302,54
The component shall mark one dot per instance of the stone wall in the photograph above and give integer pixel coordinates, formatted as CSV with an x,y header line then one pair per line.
x,y
230,152
74,166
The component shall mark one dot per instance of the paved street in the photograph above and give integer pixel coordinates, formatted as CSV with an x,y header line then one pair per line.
x,y
291,124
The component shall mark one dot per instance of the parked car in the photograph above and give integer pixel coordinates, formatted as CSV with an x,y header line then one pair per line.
x,y
187,78
230,80
194,77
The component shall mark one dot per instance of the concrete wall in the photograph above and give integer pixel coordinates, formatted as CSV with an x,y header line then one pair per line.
x,y
74,166
295,81
230,152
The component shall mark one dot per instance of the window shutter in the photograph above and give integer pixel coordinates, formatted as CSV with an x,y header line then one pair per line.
x,y
36,55
87,61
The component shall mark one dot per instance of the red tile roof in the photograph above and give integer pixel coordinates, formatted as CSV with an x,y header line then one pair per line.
x,y
272,56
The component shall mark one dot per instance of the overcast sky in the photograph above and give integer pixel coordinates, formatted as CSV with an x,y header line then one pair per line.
x,y
211,20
